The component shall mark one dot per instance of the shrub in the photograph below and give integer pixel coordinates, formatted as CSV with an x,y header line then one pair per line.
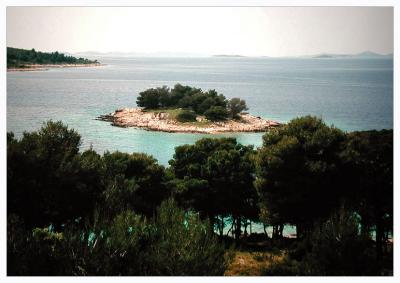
x,y
216,113
339,249
34,252
172,243
184,245
335,248
186,116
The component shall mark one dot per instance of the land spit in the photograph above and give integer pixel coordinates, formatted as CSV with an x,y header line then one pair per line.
x,y
44,67
161,121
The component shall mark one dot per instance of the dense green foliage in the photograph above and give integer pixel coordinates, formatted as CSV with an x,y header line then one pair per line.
x,y
299,170
46,176
81,213
213,105
336,247
172,243
215,177
186,116
132,182
368,169
235,106
216,113
19,58
88,198
339,249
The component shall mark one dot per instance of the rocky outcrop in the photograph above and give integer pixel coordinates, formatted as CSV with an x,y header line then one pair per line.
x,y
160,121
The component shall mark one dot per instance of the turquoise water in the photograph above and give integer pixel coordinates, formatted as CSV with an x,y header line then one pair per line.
x,y
353,94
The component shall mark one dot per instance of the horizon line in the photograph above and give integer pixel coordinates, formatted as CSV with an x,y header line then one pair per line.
x,y
198,55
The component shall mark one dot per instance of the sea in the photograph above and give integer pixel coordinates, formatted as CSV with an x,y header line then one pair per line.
x,y
350,93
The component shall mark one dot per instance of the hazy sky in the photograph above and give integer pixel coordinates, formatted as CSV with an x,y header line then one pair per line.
x,y
272,31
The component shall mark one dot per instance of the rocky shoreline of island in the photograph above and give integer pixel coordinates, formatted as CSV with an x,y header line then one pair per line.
x,y
44,67
161,121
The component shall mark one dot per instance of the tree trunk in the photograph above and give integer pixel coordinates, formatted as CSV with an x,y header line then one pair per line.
x,y
379,239
274,231
365,229
281,226
220,225
221,228
265,230
299,231
231,229
212,222
238,228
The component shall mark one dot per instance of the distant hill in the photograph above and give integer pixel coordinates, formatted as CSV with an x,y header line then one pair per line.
x,y
365,54
323,56
138,54
369,54
20,58
227,55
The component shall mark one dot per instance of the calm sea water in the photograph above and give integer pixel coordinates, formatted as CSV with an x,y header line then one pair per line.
x,y
352,94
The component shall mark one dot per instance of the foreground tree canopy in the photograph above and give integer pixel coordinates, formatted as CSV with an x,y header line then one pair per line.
x,y
81,213
299,168
215,177
211,104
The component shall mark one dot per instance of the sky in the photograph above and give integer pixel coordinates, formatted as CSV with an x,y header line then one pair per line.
x,y
252,31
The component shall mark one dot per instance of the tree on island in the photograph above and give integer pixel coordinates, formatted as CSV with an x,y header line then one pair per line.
x,y
216,113
213,105
153,98
235,106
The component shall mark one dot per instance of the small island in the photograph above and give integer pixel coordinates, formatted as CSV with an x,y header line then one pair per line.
x,y
32,60
323,56
185,109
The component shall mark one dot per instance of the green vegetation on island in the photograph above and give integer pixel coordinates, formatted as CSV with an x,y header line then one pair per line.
x,y
22,58
193,102
72,212
187,109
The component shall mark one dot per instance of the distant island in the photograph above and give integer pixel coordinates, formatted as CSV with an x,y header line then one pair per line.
x,y
28,60
323,56
188,109
365,54
227,55
132,54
